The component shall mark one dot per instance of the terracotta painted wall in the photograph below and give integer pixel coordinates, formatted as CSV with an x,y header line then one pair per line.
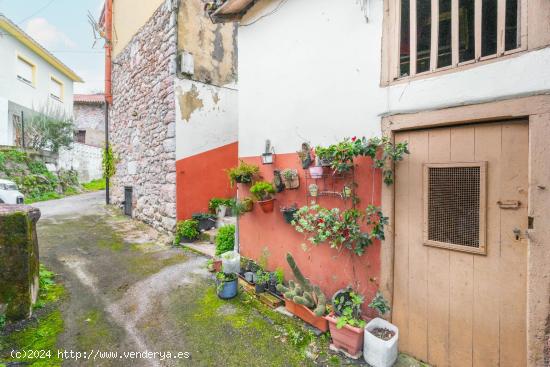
x,y
331,270
201,177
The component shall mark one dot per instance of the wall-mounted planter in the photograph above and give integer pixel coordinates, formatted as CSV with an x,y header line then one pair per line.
x,y
313,190
316,171
348,338
306,315
379,352
347,192
288,214
267,205
290,178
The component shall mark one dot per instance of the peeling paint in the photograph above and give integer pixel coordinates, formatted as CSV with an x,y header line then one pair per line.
x,y
189,102
216,97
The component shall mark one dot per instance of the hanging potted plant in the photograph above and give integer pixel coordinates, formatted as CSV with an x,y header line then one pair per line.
x,y
278,181
303,299
288,212
347,192
206,221
263,192
243,173
226,285
381,336
316,171
305,155
345,322
313,190
290,178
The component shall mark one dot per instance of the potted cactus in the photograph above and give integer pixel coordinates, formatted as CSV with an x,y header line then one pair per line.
x,y
303,299
263,192
345,322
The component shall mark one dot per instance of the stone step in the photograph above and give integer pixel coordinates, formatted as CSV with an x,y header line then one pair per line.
x,y
206,248
211,234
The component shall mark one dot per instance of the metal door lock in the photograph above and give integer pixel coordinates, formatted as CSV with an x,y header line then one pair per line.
x,y
517,233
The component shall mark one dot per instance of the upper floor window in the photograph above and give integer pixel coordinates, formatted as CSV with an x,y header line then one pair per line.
x,y
56,88
25,70
440,34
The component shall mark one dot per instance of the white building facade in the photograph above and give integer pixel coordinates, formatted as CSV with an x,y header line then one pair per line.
x,y
31,80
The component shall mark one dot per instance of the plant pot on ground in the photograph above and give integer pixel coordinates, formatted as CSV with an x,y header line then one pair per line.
x,y
226,285
346,338
263,192
381,343
288,212
186,231
206,221
262,280
303,299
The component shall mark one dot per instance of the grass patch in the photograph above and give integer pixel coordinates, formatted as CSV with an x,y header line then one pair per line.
x,y
94,185
40,333
43,197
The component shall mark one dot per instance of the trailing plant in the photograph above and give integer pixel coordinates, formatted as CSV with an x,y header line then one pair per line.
x,y
377,221
302,291
109,163
348,303
243,173
225,239
262,191
187,229
380,304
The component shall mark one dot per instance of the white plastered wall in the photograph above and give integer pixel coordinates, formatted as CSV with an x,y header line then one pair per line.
x,y
206,117
6,135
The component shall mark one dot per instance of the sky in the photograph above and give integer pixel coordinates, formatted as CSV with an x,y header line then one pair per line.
x,y
62,27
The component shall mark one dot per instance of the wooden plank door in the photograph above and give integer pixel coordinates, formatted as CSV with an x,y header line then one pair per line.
x,y
453,307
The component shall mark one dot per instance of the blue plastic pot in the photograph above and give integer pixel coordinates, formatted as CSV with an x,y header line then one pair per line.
x,y
228,290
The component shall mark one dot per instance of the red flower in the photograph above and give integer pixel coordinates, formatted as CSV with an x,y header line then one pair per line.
x,y
354,138
320,220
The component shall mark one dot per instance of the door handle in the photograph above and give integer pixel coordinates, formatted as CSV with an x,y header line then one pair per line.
x,y
517,233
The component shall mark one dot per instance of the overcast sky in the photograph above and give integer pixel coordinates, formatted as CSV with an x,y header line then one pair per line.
x,y
62,27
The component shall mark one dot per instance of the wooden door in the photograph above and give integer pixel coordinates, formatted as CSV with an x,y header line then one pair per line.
x,y
453,307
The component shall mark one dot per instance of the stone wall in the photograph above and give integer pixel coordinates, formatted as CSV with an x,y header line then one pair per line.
x,y
91,118
142,120
18,260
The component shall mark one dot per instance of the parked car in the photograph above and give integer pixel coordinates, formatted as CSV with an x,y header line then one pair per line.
x,y
9,194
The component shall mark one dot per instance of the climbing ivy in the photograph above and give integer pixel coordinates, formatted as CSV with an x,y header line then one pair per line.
x,y
109,163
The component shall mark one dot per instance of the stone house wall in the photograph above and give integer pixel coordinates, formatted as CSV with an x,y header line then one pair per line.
x,y
142,120
91,117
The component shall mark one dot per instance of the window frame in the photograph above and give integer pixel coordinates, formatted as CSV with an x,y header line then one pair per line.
x,y
393,29
482,249
21,58
61,84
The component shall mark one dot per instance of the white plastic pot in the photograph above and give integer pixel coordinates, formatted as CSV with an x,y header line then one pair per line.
x,y
378,352
221,211
231,262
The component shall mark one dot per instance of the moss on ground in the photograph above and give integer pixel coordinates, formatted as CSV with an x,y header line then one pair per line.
x,y
42,331
149,264
94,331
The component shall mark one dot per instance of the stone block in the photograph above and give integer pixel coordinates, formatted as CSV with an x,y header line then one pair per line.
x,y
19,277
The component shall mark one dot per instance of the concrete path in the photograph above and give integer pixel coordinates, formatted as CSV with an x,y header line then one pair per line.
x,y
129,290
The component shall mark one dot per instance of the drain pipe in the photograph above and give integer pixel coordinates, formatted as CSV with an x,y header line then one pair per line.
x,y
108,22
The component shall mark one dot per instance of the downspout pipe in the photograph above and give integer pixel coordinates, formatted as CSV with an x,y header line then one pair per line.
x,y
108,19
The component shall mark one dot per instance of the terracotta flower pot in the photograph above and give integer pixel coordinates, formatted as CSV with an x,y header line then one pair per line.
x,y
307,315
348,338
217,264
267,205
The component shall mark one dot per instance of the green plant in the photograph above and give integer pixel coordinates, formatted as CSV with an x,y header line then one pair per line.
x,y
239,207
279,275
109,162
203,216
380,304
225,240
262,190
302,291
305,155
348,304
94,185
243,173
222,278
187,229
262,277
215,203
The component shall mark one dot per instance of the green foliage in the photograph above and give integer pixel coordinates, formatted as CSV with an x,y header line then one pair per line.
x,y
381,150
214,203
49,129
203,216
262,277
187,229
109,163
340,229
303,292
262,190
222,278
280,275
379,303
225,239
94,185
239,207
243,173
348,305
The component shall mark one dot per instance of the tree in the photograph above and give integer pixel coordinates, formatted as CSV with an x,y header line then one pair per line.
x,y
48,129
